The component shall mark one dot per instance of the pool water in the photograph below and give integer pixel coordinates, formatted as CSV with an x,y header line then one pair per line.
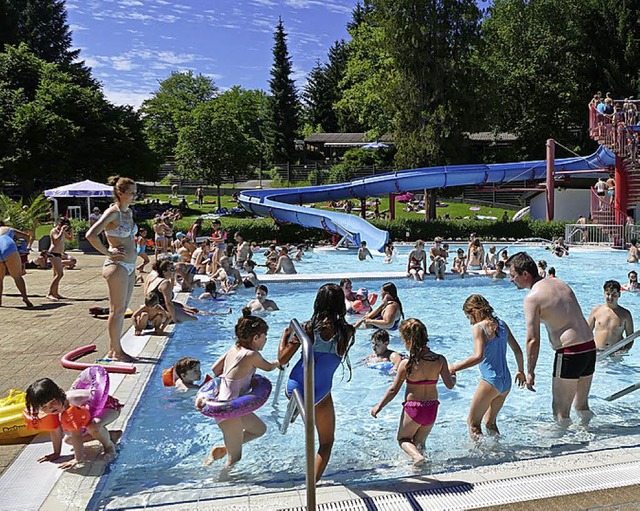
x,y
167,439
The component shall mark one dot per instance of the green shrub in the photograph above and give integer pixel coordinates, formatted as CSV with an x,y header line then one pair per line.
x,y
166,180
263,230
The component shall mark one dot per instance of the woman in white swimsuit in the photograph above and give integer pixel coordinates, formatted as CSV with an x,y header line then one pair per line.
x,y
120,265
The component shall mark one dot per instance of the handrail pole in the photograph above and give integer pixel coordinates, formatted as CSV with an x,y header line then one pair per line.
x,y
309,412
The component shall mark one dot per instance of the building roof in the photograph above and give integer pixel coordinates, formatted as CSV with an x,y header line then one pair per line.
x,y
342,138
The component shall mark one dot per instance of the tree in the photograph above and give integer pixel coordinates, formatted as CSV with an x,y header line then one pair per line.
x,y
251,109
212,145
533,58
166,112
53,129
41,25
429,44
25,216
284,100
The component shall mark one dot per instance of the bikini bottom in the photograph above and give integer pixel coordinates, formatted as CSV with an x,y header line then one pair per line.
x,y
422,412
130,267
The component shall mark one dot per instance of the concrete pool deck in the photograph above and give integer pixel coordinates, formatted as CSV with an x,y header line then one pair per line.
x,y
30,349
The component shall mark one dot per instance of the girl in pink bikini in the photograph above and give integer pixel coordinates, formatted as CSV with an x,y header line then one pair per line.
x,y
421,372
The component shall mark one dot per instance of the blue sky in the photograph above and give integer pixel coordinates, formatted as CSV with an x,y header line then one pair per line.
x,y
133,44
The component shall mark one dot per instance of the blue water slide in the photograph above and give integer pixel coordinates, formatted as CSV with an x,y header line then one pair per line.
x,y
285,204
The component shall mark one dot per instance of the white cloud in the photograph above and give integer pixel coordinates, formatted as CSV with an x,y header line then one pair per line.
x,y
76,27
130,3
126,97
122,64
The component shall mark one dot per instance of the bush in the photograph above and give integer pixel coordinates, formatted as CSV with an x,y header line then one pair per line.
x,y
266,230
166,180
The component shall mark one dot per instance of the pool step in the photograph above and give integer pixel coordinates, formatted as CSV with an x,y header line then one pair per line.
x,y
458,496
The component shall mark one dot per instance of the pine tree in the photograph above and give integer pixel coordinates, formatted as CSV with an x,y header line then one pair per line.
x,y
284,100
42,25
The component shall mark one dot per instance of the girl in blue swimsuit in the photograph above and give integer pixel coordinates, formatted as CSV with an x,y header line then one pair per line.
x,y
10,261
491,336
332,337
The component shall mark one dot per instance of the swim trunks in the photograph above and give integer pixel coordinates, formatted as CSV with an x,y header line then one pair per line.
x,y
575,361
422,412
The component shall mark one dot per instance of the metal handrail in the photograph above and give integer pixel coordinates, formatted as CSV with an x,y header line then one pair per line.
x,y
306,407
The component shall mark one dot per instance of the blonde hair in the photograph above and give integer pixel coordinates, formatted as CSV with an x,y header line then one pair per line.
x,y
479,307
120,185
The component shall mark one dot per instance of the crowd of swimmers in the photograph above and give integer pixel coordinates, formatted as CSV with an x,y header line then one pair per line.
x,y
550,302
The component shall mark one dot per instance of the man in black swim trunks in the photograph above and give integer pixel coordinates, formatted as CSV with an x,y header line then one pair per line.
x,y
552,303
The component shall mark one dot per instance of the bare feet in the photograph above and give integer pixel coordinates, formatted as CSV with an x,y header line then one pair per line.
x,y
121,357
115,435
27,302
52,298
217,452
417,461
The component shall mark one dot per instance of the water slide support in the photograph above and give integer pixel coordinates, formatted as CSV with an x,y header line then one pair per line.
x,y
551,155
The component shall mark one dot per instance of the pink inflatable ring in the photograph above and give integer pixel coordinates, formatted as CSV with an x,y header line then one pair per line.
x,y
243,405
96,380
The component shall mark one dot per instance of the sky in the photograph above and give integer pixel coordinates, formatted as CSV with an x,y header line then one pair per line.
x,y
131,45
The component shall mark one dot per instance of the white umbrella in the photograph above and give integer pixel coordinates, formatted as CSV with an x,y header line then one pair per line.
x,y
375,145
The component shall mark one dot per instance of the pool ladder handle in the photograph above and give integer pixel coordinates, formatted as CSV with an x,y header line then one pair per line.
x,y
305,407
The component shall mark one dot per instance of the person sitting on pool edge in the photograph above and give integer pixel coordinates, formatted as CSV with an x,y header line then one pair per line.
x,y
150,315
381,352
183,375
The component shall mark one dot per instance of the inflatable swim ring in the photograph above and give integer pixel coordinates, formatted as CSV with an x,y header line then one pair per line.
x,y
360,307
13,425
382,366
220,410
96,380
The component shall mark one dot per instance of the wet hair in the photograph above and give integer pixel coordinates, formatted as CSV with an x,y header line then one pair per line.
x,y
162,266
390,287
542,264
329,307
380,336
504,253
345,281
262,287
632,272
120,185
414,333
479,307
151,299
284,250
500,265
248,326
40,393
611,285
363,243
210,287
185,364
551,271
634,241
521,262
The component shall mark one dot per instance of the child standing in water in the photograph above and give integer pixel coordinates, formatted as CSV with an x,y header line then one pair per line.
x,y
381,352
491,336
45,397
236,369
421,371
332,337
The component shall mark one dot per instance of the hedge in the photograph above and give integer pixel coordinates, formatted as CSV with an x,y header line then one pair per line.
x,y
265,229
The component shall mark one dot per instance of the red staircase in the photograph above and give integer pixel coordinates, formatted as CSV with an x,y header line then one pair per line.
x,y
620,133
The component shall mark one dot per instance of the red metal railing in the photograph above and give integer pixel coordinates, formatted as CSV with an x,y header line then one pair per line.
x,y
619,131
604,212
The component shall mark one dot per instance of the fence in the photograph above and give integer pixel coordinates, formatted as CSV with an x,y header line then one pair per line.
x,y
597,234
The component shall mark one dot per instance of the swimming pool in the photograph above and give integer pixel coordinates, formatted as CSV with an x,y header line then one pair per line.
x,y
166,440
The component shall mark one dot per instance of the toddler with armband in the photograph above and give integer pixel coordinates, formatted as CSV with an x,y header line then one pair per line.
x,y
51,408
183,375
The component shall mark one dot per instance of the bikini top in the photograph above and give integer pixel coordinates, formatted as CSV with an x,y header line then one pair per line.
x,y
422,382
124,229
234,388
